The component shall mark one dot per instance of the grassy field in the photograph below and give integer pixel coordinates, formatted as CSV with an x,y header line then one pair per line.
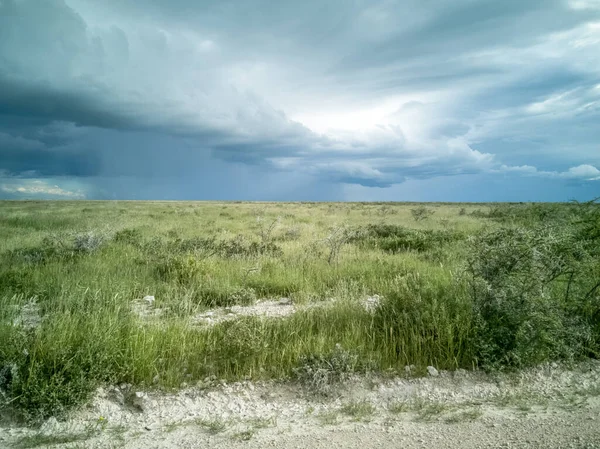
x,y
497,286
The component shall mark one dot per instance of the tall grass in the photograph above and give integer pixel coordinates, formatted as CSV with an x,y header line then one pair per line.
x,y
464,287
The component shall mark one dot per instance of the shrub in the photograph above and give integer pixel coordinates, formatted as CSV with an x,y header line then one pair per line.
x,y
265,231
337,238
240,247
88,242
42,378
421,213
62,246
587,221
321,373
527,214
529,302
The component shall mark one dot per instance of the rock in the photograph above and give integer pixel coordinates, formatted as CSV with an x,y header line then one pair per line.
x,y
409,368
432,371
30,316
116,395
140,400
285,301
149,299
371,303
51,425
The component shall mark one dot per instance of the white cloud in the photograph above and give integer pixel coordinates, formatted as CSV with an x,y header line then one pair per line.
x,y
583,172
584,4
39,188
587,172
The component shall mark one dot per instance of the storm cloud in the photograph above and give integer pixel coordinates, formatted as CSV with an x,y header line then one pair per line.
x,y
337,100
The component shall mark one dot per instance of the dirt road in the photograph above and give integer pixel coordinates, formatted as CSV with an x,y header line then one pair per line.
x,y
549,407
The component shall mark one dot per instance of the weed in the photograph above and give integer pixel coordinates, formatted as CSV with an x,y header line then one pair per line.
x,y
172,426
328,418
466,415
358,410
397,407
263,423
245,435
213,426
430,411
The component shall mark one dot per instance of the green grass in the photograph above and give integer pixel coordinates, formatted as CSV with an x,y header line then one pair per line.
x,y
76,268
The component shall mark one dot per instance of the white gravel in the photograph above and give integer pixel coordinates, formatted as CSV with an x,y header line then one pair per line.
x,y
264,308
547,407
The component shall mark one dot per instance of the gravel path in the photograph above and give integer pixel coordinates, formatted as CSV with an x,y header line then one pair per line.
x,y
548,407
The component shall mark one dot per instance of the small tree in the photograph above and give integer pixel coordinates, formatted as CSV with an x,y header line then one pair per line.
x,y
338,237
421,213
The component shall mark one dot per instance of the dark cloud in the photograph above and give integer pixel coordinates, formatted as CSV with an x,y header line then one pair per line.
x,y
367,93
49,163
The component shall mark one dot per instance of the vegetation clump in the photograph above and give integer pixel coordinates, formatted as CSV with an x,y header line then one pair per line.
x,y
496,287
534,295
321,373
396,238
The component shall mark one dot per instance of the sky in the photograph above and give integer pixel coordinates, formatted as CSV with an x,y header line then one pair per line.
x,y
313,100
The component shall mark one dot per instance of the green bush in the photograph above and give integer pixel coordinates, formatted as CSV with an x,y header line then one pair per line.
x,y
528,288
58,365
